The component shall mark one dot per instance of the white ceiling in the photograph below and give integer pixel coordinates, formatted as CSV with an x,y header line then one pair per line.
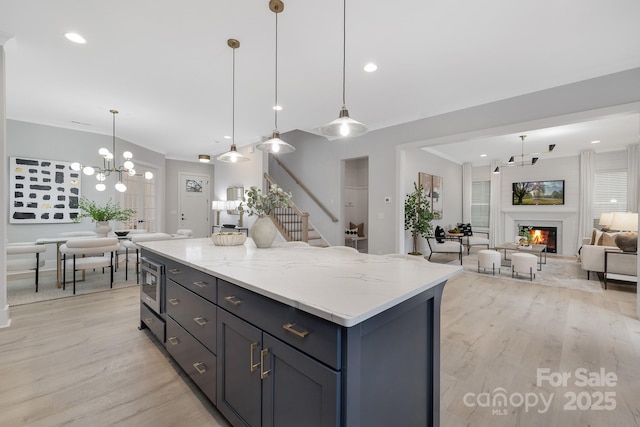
x,y
166,67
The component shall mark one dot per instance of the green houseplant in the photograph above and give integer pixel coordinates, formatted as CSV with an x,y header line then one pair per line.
x,y
108,212
417,216
263,230
264,204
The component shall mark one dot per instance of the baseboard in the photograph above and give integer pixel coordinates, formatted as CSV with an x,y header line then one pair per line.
x,y
5,320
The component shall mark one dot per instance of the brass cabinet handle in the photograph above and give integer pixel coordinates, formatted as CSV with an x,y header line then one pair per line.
x,y
200,320
252,349
290,327
148,320
263,373
200,284
175,271
174,301
200,367
173,340
233,300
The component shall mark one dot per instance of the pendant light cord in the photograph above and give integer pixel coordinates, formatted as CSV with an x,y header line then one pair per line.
x,y
233,100
344,49
113,113
275,107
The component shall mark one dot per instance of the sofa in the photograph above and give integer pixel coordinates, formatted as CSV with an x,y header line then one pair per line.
x,y
592,256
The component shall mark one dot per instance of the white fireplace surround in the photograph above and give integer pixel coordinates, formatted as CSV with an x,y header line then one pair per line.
x,y
565,221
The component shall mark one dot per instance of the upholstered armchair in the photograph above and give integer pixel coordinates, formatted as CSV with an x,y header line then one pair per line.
x,y
25,256
84,253
132,249
445,247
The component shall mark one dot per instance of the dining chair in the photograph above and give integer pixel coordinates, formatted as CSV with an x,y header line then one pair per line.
x,y
20,257
87,253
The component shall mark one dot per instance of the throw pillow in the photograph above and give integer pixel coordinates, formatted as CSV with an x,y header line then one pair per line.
x,y
465,229
360,228
608,239
439,234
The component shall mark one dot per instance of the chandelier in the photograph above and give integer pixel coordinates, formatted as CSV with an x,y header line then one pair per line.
x,y
519,159
109,165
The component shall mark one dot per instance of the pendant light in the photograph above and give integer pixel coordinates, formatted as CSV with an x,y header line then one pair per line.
x,y
344,126
232,156
275,145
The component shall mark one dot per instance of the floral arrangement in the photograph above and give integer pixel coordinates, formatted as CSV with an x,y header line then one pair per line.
x,y
264,204
110,211
525,234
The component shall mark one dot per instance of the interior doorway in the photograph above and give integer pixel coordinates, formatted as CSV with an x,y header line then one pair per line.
x,y
194,204
355,194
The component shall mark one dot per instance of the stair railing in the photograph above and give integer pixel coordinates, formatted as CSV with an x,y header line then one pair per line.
x,y
292,223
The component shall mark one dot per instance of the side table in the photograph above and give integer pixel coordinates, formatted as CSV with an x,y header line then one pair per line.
x,y
620,276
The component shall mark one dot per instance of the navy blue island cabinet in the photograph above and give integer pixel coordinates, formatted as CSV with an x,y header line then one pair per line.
x,y
265,363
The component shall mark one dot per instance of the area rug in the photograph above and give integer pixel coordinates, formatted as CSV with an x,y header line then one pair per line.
x,y
559,272
21,288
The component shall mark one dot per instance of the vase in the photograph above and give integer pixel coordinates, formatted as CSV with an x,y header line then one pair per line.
x,y
102,228
263,232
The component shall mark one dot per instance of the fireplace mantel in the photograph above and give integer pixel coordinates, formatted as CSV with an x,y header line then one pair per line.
x,y
564,219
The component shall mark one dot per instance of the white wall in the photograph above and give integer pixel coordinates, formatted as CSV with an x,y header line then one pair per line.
x,y
4,307
417,160
243,174
48,142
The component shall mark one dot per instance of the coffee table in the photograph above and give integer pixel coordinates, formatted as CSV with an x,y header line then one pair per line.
x,y
536,249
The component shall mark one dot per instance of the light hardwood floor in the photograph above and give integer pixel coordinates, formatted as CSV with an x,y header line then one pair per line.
x,y
82,361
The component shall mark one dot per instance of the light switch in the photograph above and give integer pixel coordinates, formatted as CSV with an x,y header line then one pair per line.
x,y
380,215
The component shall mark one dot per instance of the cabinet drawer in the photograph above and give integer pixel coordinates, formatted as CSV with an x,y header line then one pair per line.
x,y
152,321
316,337
192,279
198,362
193,313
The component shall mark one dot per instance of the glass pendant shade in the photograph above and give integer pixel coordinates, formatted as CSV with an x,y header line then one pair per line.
x,y
232,156
100,186
121,187
275,145
343,127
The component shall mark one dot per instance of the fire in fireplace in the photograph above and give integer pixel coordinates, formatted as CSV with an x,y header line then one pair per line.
x,y
541,235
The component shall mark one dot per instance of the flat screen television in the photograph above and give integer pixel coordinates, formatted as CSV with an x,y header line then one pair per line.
x,y
538,193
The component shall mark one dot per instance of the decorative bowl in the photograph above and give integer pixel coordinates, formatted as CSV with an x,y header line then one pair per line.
x,y
121,233
228,239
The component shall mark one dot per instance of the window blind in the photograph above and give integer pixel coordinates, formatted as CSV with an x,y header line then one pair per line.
x,y
610,194
480,197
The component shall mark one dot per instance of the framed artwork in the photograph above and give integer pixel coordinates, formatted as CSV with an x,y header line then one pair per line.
x,y
193,186
436,197
432,186
42,191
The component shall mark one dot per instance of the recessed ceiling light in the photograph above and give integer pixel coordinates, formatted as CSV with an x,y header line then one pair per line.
x,y
277,107
595,142
483,155
227,137
370,67
75,37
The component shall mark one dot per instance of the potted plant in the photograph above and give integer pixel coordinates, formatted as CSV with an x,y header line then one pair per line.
x,y
101,215
417,216
263,231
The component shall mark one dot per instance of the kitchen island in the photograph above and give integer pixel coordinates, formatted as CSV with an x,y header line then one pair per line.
x,y
302,335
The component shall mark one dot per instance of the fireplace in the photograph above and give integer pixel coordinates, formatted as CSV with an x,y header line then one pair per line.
x,y
542,235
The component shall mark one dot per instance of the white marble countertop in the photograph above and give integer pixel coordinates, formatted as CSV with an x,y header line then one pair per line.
x,y
343,287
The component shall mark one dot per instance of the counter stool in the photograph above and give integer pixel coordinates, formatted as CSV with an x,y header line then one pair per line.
x,y
489,259
522,263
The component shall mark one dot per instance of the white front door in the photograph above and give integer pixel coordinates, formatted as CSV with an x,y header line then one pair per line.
x,y
194,204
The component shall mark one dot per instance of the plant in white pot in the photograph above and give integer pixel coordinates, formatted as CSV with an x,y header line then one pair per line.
x,y
101,215
263,230
417,216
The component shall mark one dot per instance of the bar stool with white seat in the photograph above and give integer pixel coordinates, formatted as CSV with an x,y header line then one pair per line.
x,y
523,263
489,259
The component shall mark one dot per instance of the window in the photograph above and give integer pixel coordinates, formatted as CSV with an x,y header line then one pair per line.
x,y
610,194
480,195
140,196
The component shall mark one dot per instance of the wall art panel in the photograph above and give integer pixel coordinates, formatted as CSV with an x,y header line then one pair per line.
x,y
42,191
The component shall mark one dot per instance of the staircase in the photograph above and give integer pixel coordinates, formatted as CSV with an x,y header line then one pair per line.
x,y
293,224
